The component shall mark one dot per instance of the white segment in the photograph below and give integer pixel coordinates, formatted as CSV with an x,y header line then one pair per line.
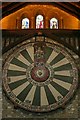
x,y
30,51
23,59
17,78
54,92
44,100
52,56
15,67
19,89
76,56
62,83
30,95
60,63
64,73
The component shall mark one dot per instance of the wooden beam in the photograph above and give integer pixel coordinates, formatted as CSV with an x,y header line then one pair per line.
x,y
65,6
69,7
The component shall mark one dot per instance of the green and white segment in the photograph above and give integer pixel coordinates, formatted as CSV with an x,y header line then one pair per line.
x,y
46,94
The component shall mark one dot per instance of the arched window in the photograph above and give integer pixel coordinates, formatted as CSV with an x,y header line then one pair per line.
x,y
25,23
39,22
53,23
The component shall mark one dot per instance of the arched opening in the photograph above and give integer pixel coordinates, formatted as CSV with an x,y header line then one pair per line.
x,y
25,23
39,22
53,23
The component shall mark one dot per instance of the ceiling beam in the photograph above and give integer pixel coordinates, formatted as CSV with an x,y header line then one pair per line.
x,y
69,7
65,6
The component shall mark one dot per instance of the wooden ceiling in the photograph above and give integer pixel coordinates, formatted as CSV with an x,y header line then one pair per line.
x,y
72,8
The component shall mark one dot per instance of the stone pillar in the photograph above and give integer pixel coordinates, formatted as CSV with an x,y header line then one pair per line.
x,y
46,24
32,22
18,24
79,24
61,26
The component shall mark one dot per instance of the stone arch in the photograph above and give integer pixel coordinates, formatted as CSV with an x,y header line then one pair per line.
x,y
40,12
22,16
52,14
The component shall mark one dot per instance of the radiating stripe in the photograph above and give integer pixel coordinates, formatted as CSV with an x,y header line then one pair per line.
x,y
48,51
30,95
59,57
76,56
54,92
36,100
44,100
15,73
24,93
27,56
63,67
64,78
62,83
59,88
30,51
17,83
16,78
50,97
19,89
22,58
18,63
60,63
15,67
64,73
52,56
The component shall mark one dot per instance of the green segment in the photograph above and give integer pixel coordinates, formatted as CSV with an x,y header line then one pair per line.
x,y
26,56
63,67
50,97
24,93
15,73
59,57
64,78
59,88
17,84
36,100
17,62
48,52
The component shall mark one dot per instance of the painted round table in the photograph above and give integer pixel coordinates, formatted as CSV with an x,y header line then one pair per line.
x,y
40,76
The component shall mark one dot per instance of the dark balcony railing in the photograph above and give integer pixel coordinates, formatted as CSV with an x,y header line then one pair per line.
x,y
69,38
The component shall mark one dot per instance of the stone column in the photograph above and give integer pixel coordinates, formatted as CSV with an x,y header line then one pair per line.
x,y
46,23
18,24
61,23
79,24
32,22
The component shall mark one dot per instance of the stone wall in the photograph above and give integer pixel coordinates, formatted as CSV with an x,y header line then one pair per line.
x,y
66,21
